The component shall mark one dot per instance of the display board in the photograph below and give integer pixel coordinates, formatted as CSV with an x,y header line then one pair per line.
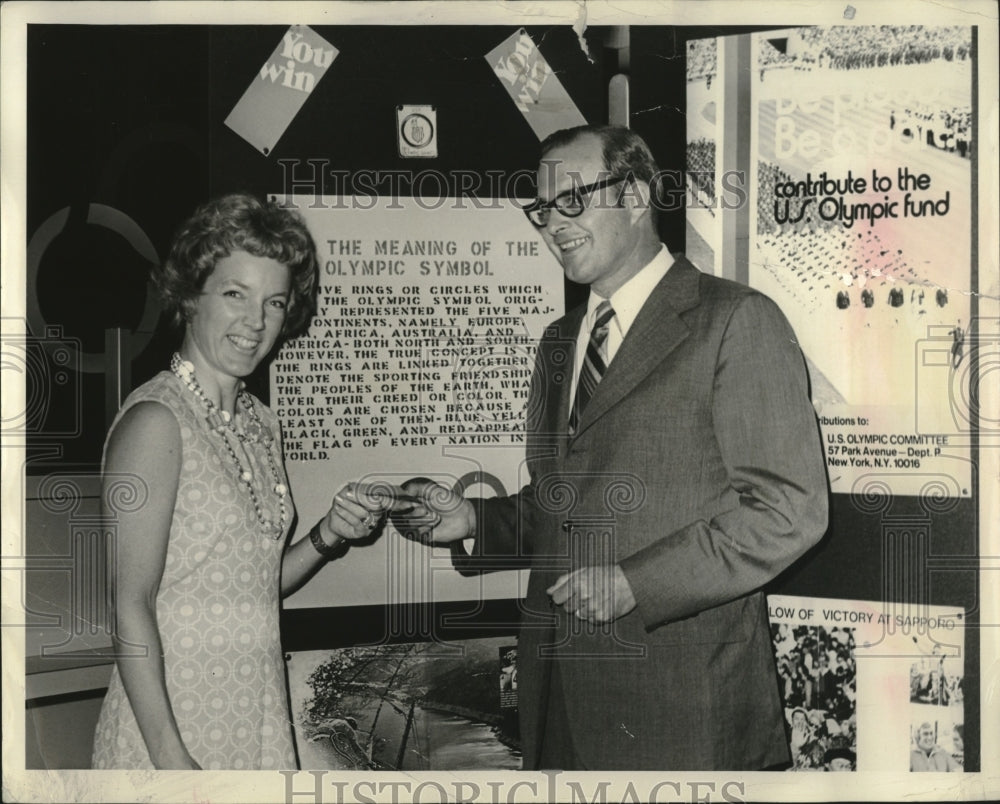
x,y
417,363
859,679
859,188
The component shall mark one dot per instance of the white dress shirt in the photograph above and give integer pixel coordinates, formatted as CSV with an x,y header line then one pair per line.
x,y
627,301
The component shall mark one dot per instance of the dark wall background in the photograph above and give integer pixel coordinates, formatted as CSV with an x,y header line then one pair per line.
x,y
132,117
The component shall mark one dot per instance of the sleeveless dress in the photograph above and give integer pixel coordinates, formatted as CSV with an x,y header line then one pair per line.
x,y
217,608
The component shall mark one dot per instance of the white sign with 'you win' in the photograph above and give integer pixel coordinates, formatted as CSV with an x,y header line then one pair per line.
x,y
280,87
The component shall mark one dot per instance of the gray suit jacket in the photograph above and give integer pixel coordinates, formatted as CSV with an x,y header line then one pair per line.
x,y
697,466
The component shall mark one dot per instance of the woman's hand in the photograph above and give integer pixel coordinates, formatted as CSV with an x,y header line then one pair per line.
x,y
358,512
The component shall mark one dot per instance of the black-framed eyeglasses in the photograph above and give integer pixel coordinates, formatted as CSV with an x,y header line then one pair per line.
x,y
571,202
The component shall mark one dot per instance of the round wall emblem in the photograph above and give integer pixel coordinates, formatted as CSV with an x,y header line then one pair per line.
x,y
417,130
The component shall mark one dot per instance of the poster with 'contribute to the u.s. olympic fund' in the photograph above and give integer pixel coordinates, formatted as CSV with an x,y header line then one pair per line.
x,y
861,220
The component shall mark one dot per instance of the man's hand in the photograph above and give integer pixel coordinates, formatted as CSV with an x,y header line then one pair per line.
x,y
437,514
598,594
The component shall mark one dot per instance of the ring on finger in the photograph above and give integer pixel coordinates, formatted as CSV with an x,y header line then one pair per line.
x,y
371,520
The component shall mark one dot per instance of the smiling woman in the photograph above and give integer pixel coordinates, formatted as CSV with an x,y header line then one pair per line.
x,y
239,315
199,570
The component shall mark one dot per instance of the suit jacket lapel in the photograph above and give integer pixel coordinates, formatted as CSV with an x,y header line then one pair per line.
x,y
655,333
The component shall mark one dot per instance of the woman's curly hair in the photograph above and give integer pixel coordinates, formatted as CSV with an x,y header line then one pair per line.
x,y
239,222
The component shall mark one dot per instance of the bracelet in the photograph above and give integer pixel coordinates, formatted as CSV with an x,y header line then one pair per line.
x,y
328,551
474,526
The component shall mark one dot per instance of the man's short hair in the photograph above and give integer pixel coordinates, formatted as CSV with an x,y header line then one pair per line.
x,y
625,152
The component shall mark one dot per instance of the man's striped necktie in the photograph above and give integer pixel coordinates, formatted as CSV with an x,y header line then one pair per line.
x,y
594,363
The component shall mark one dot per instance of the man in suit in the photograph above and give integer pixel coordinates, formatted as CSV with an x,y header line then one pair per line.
x,y
656,508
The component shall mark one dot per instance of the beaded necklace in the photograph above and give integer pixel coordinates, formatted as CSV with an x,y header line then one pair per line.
x,y
253,431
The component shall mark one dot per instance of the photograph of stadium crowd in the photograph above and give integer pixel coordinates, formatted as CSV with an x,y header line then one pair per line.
x,y
817,673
